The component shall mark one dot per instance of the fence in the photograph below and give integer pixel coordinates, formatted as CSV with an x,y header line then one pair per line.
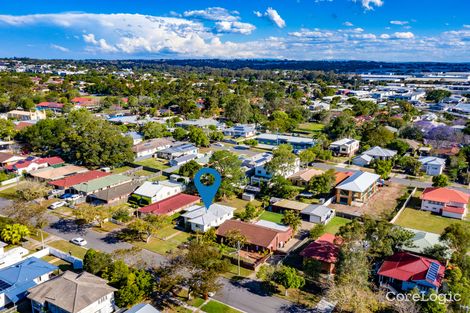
x,y
10,181
405,204
76,262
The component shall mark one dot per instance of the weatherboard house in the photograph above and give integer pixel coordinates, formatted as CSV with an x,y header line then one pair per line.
x,y
406,271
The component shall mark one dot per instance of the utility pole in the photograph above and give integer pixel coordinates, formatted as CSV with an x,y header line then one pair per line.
x,y
238,253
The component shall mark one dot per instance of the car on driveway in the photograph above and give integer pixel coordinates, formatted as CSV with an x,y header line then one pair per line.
x,y
74,198
66,196
79,241
57,204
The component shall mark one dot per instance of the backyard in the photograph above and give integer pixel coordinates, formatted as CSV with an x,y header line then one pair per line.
x,y
158,164
239,204
333,226
426,221
164,246
311,127
271,216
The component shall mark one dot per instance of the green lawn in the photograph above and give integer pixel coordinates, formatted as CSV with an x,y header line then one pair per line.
x,y
233,272
311,127
333,226
66,246
9,193
196,302
164,246
154,163
272,217
424,220
166,231
143,173
119,170
217,307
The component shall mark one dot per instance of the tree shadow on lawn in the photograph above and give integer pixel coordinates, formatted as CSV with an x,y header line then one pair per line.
x,y
253,286
113,237
70,226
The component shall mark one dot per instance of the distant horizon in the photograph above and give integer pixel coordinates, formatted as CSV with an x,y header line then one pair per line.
x,y
376,30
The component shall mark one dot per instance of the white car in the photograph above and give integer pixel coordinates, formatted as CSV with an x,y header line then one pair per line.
x,y
74,198
218,144
79,241
57,204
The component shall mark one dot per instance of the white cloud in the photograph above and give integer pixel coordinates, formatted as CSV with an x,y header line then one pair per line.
x,y
273,16
399,22
315,33
368,4
348,24
100,43
60,48
466,26
234,27
403,35
213,14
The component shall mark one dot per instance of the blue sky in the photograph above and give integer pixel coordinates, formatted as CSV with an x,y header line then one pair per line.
x,y
381,30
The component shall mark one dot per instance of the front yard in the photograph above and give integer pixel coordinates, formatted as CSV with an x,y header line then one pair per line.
x,y
68,247
239,204
164,246
217,307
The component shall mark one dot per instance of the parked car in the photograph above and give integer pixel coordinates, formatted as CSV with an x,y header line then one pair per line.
x,y
54,192
74,198
79,241
219,144
57,204
66,196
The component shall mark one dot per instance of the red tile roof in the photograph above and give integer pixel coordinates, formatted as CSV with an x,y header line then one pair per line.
x,y
255,234
22,125
445,195
405,266
453,209
25,163
76,179
171,204
51,105
324,249
50,160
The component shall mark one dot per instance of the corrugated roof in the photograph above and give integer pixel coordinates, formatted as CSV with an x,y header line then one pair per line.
x,y
445,195
73,180
359,181
101,183
170,204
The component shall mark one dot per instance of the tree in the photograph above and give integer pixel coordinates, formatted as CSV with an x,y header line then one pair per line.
x,y
341,127
14,233
382,168
410,165
307,156
440,180
153,130
281,187
138,285
317,231
249,213
146,227
411,132
96,262
179,133
189,169
234,237
374,135
437,95
30,190
399,145
81,138
433,306
292,219
288,277
198,137
7,129
458,238
238,110
86,213
322,184
229,167
282,161
216,136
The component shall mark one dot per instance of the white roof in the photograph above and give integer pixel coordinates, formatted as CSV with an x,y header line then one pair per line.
x,y
365,157
151,189
432,160
202,216
380,152
344,141
359,181
317,210
272,225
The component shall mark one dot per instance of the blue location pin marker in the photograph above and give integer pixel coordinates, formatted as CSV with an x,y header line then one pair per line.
x,y
207,192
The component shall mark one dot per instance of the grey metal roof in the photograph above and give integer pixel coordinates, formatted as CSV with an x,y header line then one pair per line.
x,y
359,181
380,152
142,308
317,210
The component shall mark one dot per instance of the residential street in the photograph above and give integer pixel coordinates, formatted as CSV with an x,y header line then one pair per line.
x,y
401,181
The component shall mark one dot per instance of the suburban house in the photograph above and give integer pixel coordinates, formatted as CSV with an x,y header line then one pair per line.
x,y
12,255
101,183
325,250
198,218
177,150
263,175
199,123
433,166
32,164
406,271
54,173
151,192
318,214
303,177
70,181
21,115
423,240
237,131
258,238
379,153
119,193
16,279
298,143
183,159
149,148
52,106
73,293
171,205
445,201
281,205
142,308
8,158
357,188
345,146
362,160
135,136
